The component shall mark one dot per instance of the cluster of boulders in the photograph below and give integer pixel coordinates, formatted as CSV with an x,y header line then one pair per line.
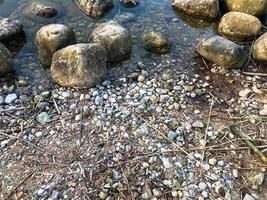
x,y
79,65
239,24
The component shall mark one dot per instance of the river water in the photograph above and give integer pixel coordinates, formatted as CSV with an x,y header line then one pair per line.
x,y
182,32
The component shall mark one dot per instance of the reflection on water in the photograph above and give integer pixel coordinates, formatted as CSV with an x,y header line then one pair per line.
x,y
158,15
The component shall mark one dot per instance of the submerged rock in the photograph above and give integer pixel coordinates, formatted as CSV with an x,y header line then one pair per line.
x,y
222,52
94,8
79,65
129,3
253,7
259,50
155,42
116,40
200,8
239,26
5,60
51,38
10,29
40,9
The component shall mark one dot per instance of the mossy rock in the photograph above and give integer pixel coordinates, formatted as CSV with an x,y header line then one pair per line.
x,y
155,42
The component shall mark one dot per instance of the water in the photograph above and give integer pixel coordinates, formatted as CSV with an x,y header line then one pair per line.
x,y
181,31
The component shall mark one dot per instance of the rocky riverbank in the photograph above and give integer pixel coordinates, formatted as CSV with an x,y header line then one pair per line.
x,y
140,130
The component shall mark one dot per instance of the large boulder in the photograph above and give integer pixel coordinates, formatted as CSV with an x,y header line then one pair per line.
x,y
155,42
259,50
222,52
252,7
79,65
116,40
5,60
51,38
10,29
200,8
94,8
239,26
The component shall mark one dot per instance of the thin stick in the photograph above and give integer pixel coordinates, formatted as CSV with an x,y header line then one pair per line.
x,y
208,124
55,103
235,131
14,190
255,74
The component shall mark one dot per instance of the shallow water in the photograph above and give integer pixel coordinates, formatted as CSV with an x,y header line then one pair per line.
x,y
181,31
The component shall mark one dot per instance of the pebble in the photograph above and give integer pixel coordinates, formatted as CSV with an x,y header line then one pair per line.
x,y
257,180
43,118
263,112
10,98
235,173
2,100
172,135
202,186
221,163
166,163
102,195
205,194
198,124
141,78
212,161
244,93
38,134
157,192
248,197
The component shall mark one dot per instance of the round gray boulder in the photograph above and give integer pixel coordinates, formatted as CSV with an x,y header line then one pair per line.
x,y
116,40
5,60
79,65
10,29
239,26
222,52
51,38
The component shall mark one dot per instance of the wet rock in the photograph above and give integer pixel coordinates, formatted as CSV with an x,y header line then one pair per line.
x,y
239,26
5,60
252,7
129,3
10,98
51,38
40,9
94,8
116,40
155,42
222,52
259,50
201,8
10,29
80,65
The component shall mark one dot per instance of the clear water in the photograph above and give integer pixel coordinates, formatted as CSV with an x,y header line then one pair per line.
x,y
181,31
